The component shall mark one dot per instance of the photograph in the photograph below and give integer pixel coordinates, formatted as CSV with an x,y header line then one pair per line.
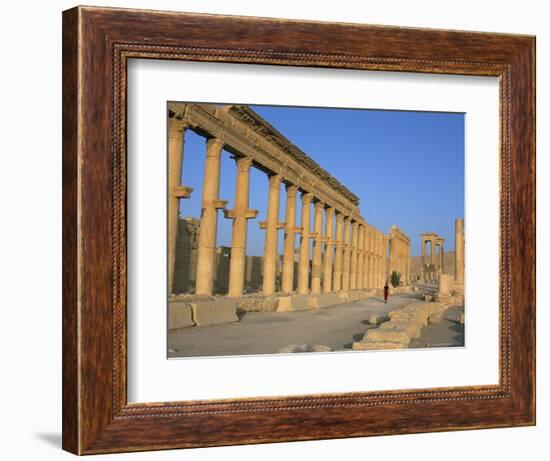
x,y
313,229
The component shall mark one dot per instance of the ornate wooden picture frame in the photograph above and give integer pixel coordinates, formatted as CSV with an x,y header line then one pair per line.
x,y
97,44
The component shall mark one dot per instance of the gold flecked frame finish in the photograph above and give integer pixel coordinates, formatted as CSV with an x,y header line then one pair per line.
x,y
97,43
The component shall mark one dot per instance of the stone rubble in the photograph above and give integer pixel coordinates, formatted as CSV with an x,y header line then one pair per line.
x,y
403,325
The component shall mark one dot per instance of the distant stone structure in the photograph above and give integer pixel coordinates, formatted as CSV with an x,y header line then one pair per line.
x,y
348,259
434,266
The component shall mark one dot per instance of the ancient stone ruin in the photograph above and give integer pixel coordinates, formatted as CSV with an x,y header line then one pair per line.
x,y
350,259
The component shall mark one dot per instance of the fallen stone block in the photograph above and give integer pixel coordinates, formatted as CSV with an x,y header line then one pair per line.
x,y
395,336
293,303
436,318
215,312
411,328
297,348
257,304
180,315
375,319
323,300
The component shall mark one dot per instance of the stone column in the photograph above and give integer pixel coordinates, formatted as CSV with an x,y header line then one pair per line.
x,y
459,250
384,259
329,245
353,262
368,269
347,254
360,259
442,253
287,284
423,252
433,252
240,216
271,226
376,261
316,262
303,264
209,218
337,276
176,191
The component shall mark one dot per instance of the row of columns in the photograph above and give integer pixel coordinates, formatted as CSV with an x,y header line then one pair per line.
x,y
400,255
352,259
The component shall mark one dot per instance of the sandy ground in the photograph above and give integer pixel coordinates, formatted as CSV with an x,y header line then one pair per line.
x,y
268,332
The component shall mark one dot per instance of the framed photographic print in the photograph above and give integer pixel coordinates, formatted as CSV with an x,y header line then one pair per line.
x,y
284,230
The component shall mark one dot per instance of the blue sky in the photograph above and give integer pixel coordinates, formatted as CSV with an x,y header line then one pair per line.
x,y
406,167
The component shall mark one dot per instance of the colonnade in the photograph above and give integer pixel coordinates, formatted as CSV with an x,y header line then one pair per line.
x,y
400,254
347,253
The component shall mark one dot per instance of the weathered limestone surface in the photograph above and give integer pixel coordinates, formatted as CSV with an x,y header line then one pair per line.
x,y
209,218
272,227
403,325
324,300
240,216
459,254
180,315
400,254
293,303
221,310
257,303
445,285
291,230
376,319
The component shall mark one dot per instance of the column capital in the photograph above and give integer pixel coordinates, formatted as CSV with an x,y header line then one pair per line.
x,y
319,205
214,147
291,189
340,217
176,127
330,212
275,180
243,163
307,197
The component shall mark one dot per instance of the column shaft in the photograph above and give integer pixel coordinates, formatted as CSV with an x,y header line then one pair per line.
x,y
337,276
328,253
271,234
287,284
303,265
360,266
175,161
347,254
240,223
353,262
316,262
367,268
459,250
209,218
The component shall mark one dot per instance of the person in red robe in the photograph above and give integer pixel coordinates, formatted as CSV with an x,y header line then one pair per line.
x,y
386,292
